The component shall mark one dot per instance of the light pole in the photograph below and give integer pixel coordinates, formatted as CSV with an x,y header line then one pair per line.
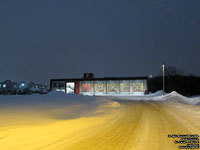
x,y
163,68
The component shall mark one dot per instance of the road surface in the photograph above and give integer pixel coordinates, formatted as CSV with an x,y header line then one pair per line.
x,y
118,125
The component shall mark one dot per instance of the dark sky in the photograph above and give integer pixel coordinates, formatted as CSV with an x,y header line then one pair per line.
x,y
43,39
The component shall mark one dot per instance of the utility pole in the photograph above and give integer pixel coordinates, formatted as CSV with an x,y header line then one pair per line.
x,y
163,69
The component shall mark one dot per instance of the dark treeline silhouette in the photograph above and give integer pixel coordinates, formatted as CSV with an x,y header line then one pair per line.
x,y
176,80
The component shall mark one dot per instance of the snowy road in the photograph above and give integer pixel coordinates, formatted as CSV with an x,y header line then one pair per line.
x,y
142,126
128,126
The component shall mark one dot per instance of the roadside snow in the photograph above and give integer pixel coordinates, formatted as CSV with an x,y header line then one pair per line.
x,y
54,105
158,96
59,99
50,100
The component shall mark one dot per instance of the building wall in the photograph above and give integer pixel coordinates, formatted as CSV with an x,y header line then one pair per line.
x,y
103,87
113,87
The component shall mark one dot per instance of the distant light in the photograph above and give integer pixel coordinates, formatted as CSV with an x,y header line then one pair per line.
x,y
163,65
4,85
150,76
22,84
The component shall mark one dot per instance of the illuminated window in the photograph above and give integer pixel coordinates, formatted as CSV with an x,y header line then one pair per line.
x,y
138,86
124,86
70,87
58,86
99,86
86,87
111,86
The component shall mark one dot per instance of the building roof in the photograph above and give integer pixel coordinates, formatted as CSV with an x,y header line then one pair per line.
x,y
105,78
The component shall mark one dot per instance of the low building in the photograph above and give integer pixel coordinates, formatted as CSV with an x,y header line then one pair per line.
x,y
88,85
9,88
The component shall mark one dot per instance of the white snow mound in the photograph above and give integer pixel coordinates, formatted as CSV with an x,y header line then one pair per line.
x,y
158,96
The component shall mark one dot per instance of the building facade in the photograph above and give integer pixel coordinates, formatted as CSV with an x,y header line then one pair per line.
x,y
88,85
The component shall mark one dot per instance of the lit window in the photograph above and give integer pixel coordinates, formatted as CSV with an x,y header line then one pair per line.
x,y
124,86
99,86
112,86
4,85
86,87
138,86
70,87
59,86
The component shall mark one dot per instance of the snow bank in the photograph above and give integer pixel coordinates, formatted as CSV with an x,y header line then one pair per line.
x,y
50,100
60,99
158,96
196,100
54,105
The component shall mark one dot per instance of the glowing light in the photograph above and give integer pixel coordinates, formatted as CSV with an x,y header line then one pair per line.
x,y
163,65
150,76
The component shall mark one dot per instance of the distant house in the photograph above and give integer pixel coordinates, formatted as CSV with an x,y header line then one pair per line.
x,y
8,87
88,85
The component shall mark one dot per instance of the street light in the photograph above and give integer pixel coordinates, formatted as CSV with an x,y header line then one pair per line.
x,y
163,68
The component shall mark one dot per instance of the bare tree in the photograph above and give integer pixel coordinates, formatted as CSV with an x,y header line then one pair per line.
x,y
172,71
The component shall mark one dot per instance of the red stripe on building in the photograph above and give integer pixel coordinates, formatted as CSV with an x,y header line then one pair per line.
x,y
77,87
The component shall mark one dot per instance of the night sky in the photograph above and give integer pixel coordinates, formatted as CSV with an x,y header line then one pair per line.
x,y
44,39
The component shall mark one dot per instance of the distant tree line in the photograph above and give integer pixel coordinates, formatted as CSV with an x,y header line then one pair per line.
x,y
176,80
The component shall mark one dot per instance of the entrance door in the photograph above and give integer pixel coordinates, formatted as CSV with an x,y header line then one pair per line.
x,y
70,87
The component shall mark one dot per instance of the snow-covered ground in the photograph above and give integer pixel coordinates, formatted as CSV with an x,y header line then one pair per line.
x,y
57,121
52,99
57,105
58,99
158,96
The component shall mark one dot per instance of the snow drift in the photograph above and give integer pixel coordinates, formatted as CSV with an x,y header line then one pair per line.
x,y
60,99
52,99
57,121
55,105
158,96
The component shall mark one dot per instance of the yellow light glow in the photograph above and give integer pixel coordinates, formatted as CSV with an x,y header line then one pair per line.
x,y
113,126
